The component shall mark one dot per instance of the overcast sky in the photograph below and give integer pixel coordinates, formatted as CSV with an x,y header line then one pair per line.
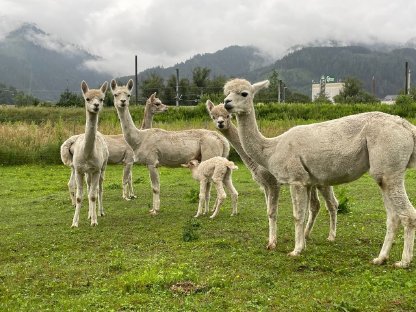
x,y
165,32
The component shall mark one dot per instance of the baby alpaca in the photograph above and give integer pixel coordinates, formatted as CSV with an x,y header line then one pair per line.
x,y
218,170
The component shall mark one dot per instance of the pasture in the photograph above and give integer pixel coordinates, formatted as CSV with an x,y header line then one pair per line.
x,y
133,261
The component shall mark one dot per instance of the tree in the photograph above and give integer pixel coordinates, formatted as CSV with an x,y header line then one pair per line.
x,y
296,97
322,98
154,83
353,92
22,99
68,98
169,93
200,77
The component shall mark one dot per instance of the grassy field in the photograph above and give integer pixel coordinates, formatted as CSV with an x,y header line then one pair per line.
x,y
133,261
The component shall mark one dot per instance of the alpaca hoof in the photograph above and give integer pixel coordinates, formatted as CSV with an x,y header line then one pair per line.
x,y
133,196
197,215
126,198
233,214
153,212
271,246
379,261
294,253
331,238
402,264
94,223
74,225
212,217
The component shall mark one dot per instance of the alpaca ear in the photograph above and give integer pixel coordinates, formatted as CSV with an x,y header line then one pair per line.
x,y
130,84
209,105
185,165
113,84
104,87
84,87
152,97
260,85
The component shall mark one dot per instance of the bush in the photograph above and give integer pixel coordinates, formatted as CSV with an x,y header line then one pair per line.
x,y
404,100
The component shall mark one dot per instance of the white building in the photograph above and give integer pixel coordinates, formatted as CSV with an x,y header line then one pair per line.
x,y
331,87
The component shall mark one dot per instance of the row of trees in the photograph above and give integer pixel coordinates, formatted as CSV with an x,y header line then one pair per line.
x,y
202,87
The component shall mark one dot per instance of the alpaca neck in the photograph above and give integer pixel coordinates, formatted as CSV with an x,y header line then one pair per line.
x,y
127,125
232,135
254,143
147,118
90,133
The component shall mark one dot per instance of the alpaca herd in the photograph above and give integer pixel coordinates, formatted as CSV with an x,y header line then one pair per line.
x,y
308,158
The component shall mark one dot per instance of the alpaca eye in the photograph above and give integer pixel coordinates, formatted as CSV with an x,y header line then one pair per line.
x,y
244,94
101,100
228,116
128,95
88,99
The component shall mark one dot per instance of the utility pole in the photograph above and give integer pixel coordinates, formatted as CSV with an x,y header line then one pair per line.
x,y
407,82
177,86
135,67
279,82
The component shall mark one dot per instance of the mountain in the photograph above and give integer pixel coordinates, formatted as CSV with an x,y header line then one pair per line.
x,y
232,61
39,64
299,68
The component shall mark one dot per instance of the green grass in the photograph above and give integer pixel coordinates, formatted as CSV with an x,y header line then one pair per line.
x,y
133,261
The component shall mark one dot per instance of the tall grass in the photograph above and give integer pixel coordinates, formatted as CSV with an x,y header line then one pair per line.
x,y
34,134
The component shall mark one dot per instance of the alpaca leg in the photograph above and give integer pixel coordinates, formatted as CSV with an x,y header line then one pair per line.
x,y
131,191
93,196
300,200
207,197
79,178
154,177
100,194
399,209
272,198
221,196
72,186
88,179
126,179
332,207
234,194
202,196
314,207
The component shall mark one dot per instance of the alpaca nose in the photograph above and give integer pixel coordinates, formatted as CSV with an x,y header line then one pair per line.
x,y
227,104
123,101
96,105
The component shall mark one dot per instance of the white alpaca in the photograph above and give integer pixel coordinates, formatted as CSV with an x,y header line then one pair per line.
x,y
334,152
218,170
119,151
90,156
157,147
269,184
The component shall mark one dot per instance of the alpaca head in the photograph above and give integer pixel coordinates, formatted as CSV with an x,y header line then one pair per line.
x,y
155,105
240,93
94,98
193,164
220,116
121,93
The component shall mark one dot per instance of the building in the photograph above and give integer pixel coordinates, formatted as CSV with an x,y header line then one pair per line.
x,y
329,86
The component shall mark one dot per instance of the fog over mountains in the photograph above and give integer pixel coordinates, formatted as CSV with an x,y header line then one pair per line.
x,y
42,65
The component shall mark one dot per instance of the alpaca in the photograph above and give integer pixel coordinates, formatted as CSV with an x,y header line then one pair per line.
x,y
268,183
334,152
119,151
90,155
157,147
218,170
